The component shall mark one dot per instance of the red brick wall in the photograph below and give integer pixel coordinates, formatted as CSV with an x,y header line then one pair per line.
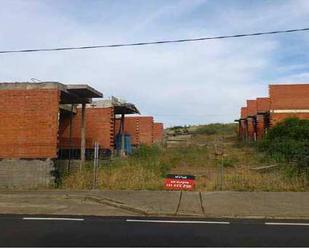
x,y
243,112
263,104
285,97
29,123
99,128
288,97
140,128
131,127
277,117
251,107
158,132
146,130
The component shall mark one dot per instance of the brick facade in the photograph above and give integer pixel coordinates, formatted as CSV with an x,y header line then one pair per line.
x,y
278,117
158,130
131,127
263,105
140,128
251,108
30,117
243,112
291,99
99,128
29,123
287,97
284,101
146,130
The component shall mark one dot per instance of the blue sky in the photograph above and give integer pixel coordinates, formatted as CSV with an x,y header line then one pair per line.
x,y
192,83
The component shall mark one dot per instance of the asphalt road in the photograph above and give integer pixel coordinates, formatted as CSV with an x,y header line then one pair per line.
x,y
19,231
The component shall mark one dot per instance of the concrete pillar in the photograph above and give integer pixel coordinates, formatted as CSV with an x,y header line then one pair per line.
x,y
260,126
83,137
251,129
243,130
122,150
239,130
70,137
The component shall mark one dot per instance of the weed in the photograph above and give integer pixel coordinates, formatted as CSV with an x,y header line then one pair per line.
x,y
148,166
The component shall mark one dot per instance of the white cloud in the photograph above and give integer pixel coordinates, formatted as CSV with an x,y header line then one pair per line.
x,y
178,84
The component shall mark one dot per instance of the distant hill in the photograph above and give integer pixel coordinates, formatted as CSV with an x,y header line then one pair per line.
x,y
209,129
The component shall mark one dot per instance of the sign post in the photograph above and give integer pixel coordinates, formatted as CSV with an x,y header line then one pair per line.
x,y
179,182
95,163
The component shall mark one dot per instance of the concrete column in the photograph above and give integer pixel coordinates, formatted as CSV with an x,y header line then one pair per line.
x,y
122,150
260,126
70,137
239,129
251,129
83,137
243,130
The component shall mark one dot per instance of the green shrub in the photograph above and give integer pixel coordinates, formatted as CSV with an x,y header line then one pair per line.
x,y
216,128
229,162
288,141
146,152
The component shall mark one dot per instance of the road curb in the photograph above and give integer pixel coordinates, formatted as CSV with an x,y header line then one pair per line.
x,y
116,204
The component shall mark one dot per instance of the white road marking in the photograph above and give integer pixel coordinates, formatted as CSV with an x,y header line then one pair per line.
x,y
52,218
286,224
180,221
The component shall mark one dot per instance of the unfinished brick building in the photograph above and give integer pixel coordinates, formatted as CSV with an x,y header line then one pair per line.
x,y
262,116
30,116
288,100
251,121
100,127
255,118
158,131
140,128
242,124
284,101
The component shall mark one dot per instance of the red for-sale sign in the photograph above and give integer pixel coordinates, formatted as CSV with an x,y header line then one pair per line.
x,y
179,182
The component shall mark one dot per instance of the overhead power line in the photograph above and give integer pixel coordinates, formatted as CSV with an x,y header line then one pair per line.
x,y
153,42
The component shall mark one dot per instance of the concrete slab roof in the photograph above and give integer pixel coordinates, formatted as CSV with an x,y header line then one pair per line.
x,y
120,106
70,94
32,85
68,108
84,91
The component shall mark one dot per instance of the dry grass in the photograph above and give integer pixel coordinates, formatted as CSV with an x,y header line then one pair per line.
x,y
238,175
146,169
248,180
125,177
